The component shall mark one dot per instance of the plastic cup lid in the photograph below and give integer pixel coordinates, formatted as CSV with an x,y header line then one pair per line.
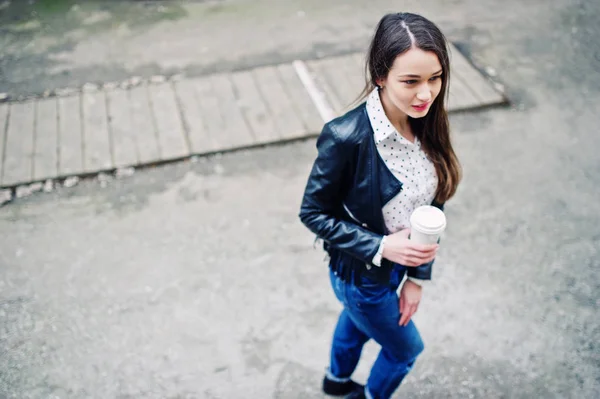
x,y
428,219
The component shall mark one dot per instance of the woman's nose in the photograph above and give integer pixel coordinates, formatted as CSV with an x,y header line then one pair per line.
x,y
424,95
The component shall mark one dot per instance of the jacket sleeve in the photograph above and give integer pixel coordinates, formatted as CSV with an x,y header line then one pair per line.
x,y
323,195
422,272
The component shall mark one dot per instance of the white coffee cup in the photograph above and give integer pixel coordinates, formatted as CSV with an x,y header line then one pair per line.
x,y
427,223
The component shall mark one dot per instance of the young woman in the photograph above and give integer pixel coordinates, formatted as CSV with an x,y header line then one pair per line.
x,y
375,165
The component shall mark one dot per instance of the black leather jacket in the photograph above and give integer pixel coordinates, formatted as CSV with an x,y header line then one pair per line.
x,y
348,185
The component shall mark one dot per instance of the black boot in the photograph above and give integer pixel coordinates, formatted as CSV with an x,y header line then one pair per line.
x,y
357,395
334,388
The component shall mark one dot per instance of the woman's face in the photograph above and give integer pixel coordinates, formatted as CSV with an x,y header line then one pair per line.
x,y
413,82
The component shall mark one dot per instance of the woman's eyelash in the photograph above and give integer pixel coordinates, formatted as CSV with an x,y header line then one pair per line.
x,y
410,82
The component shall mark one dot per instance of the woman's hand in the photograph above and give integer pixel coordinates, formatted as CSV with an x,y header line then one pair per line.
x,y
410,297
399,249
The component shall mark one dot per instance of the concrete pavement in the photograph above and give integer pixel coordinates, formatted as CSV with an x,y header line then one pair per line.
x,y
196,280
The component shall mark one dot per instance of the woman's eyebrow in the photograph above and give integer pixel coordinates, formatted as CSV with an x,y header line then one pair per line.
x,y
418,76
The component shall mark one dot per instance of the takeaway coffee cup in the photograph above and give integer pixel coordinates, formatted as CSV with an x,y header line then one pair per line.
x,y
427,224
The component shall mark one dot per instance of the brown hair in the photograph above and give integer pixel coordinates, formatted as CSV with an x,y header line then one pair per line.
x,y
396,34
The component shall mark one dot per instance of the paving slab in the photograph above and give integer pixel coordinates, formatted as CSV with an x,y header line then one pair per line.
x,y
96,139
336,83
206,112
162,121
475,81
70,152
4,110
460,95
305,108
123,136
192,118
19,144
143,125
45,157
280,104
236,131
171,136
253,106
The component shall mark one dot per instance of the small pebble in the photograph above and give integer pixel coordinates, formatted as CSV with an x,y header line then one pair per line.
x,y
90,87
158,79
36,187
490,71
65,92
71,181
110,85
23,191
219,169
136,80
124,172
5,196
48,186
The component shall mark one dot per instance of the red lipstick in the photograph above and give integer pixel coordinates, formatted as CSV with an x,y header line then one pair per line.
x,y
421,107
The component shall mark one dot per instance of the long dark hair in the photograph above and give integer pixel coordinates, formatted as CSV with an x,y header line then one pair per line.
x,y
396,34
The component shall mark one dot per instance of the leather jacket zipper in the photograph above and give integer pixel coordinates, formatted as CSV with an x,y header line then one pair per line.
x,y
353,217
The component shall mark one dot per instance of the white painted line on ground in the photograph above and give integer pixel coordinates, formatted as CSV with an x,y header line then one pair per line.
x,y
315,94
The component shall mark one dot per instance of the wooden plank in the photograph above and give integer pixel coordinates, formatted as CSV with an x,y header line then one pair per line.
x,y
355,75
460,96
211,113
359,60
254,108
323,81
120,127
70,154
480,86
4,112
19,144
283,112
96,139
172,140
142,124
193,121
337,80
45,159
237,131
297,93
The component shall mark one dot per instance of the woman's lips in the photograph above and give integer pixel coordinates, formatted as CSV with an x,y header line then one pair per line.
x,y
421,107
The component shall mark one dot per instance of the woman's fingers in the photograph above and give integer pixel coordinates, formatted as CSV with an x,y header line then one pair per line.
x,y
403,316
422,247
420,255
414,261
408,314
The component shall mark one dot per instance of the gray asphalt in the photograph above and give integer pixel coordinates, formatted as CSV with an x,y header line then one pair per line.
x,y
196,280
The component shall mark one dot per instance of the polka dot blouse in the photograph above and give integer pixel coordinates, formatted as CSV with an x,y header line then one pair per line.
x,y
407,162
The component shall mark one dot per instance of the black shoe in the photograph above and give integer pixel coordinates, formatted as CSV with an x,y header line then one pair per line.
x,y
357,395
334,388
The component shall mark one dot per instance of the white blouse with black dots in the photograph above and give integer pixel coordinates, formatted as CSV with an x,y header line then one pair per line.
x,y
407,162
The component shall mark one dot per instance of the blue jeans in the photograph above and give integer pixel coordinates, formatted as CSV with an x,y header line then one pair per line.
x,y
371,310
